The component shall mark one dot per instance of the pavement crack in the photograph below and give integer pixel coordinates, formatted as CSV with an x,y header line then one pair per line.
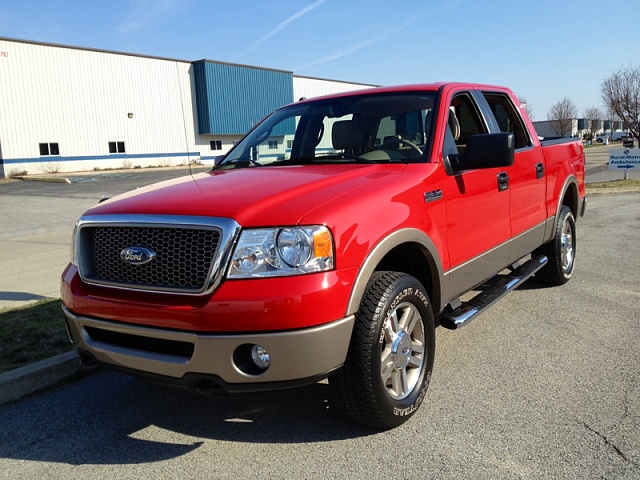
x,y
610,444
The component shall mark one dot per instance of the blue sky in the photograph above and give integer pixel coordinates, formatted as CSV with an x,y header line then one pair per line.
x,y
543,50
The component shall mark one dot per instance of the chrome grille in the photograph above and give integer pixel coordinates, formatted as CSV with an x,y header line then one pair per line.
x,y
183,263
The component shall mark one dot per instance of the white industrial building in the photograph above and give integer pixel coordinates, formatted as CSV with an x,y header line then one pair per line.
x,y
580,127
66,109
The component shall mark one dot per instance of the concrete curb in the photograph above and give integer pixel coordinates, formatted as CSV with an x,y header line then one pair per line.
x,y
29,379
611,191
43,179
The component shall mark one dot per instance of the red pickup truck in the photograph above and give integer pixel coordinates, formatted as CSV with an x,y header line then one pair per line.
x,y
329,242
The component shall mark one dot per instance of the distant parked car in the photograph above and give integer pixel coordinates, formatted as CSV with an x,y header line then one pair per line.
x,y
627,143
603,139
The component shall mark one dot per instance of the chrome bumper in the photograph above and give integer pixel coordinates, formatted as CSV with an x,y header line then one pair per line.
x,y
295,355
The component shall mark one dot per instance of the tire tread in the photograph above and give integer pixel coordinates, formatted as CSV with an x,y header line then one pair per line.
x,y
352,391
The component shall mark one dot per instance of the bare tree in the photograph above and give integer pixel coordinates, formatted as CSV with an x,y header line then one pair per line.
x,y
528,108
621,95
561,115
594,118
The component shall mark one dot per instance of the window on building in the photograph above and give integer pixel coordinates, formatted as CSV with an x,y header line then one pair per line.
x,y
116,147
216,144
49,149
289,144
273,144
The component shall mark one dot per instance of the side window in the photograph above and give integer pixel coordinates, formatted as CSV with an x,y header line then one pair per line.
x,y
464,121
509,120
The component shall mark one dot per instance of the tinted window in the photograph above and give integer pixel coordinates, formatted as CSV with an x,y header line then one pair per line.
x,y
509,120
464,121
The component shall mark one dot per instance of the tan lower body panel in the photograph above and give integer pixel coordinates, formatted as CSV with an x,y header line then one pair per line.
x,y
294,354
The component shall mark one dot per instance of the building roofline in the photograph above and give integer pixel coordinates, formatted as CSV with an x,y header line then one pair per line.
x,y
88,49
154,57
129,54
333,80
219,62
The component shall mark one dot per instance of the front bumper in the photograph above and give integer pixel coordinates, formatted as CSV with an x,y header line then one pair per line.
x,y
310,353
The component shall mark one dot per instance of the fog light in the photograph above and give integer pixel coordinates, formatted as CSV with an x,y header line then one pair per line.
x,y
260,357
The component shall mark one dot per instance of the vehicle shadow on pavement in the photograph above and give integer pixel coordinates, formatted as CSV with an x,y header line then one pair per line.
x,y
21,296
110,418
534,284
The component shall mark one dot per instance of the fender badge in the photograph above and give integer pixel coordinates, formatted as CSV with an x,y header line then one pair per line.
x,y
137,255
433,196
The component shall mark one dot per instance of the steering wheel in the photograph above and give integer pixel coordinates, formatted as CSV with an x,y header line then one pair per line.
x,y
397,140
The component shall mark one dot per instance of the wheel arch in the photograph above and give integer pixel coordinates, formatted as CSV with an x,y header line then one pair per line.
x,y
568,196
409,251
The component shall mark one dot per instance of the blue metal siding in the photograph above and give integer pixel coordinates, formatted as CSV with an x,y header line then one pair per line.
x,y
230,99
287,127
202,99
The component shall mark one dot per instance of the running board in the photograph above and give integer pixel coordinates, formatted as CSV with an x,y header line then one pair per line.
x,y
491,291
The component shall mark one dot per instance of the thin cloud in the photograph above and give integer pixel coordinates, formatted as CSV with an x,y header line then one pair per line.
x,y
284,24
389,33
353,48
144,12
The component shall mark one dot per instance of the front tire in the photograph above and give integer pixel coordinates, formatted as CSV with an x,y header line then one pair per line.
x,y
561,251
390,359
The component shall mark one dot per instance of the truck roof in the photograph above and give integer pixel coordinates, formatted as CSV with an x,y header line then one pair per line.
x,y
411,88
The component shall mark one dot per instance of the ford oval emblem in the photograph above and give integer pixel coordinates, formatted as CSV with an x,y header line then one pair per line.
x,y
137,255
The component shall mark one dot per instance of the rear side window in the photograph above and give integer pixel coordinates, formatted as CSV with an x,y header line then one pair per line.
x,y
509,120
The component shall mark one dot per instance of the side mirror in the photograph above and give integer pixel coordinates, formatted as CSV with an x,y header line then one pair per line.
x,y
487,150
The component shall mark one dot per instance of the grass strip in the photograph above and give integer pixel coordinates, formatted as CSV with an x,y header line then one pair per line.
x,y
615,184
32,333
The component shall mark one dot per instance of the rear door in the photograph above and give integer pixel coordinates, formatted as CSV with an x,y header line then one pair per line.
x,y
527,185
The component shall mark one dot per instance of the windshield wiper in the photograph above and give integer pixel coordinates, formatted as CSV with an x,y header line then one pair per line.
x,y
346,156
305,160
239,163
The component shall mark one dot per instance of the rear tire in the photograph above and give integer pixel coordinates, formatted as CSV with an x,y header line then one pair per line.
x,y
561,251
388,367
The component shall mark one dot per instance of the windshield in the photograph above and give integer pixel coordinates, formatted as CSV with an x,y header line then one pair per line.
x,y
365,129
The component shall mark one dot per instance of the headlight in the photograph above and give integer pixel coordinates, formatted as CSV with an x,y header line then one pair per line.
x,y
275,252
74,255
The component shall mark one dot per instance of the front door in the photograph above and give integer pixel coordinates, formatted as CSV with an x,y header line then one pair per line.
x,y
477,205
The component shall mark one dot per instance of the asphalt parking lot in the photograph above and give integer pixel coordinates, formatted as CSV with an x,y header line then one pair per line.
x,y
544,385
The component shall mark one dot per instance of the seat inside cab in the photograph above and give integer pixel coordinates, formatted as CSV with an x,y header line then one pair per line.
x,y
393,138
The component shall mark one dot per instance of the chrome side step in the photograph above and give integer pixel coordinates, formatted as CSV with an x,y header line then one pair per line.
x,y
490,292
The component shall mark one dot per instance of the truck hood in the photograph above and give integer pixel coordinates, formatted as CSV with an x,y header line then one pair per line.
x,y
259,196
